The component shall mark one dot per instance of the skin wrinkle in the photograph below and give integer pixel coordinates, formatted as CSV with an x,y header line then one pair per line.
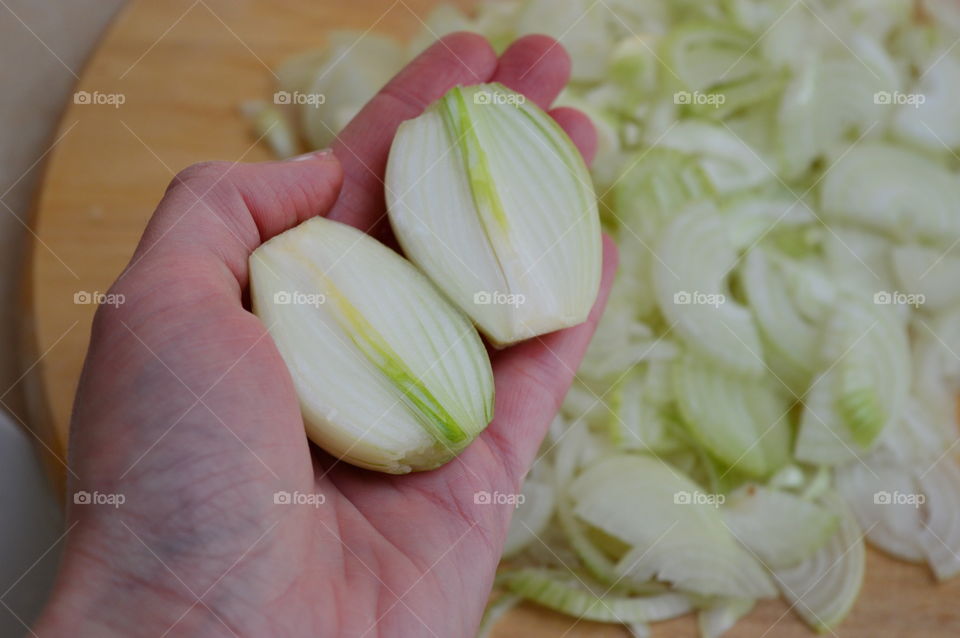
x,y
292,200
205,190
225,596
452,501
534,393
343,567
191,276
178,467
183,566
241,274
231,228
237,327
386,601
424,80
127,583
275,607
368,521
466,58
368,178
186,462
218,195
536,387
199,621
296,198
542,81
346,559
406,100
239,265
418,568
133,299
298,587
197,545
159,472
505,456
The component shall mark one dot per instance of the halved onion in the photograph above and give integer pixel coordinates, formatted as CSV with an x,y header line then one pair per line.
x,y
491,199
390,376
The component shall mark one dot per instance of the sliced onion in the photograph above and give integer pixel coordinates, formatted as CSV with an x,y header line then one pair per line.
x,y
567,594
823,588
696,256
741,420
719,617
779,528
941,536
872,492
675,534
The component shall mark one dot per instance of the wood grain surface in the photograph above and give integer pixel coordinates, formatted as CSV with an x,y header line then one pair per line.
x,y
183,67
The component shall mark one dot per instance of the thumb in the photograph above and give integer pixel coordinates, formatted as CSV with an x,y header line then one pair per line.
x,y
217,213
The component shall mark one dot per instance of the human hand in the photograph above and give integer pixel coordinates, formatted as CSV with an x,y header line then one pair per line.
x,y
186,409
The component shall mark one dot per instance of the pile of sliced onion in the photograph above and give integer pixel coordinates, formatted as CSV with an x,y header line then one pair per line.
x,y
773,382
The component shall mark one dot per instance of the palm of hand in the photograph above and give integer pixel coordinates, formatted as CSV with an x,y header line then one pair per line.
x,y
202,429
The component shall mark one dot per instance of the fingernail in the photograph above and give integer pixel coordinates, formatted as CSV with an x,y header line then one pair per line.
x,y
312,155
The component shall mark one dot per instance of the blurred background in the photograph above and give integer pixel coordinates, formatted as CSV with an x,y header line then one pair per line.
x,y
43,45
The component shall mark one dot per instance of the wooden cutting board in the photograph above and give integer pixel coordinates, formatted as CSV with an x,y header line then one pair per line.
x,y
183,67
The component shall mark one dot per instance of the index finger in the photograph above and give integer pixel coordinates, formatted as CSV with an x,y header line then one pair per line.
x,y
363,146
